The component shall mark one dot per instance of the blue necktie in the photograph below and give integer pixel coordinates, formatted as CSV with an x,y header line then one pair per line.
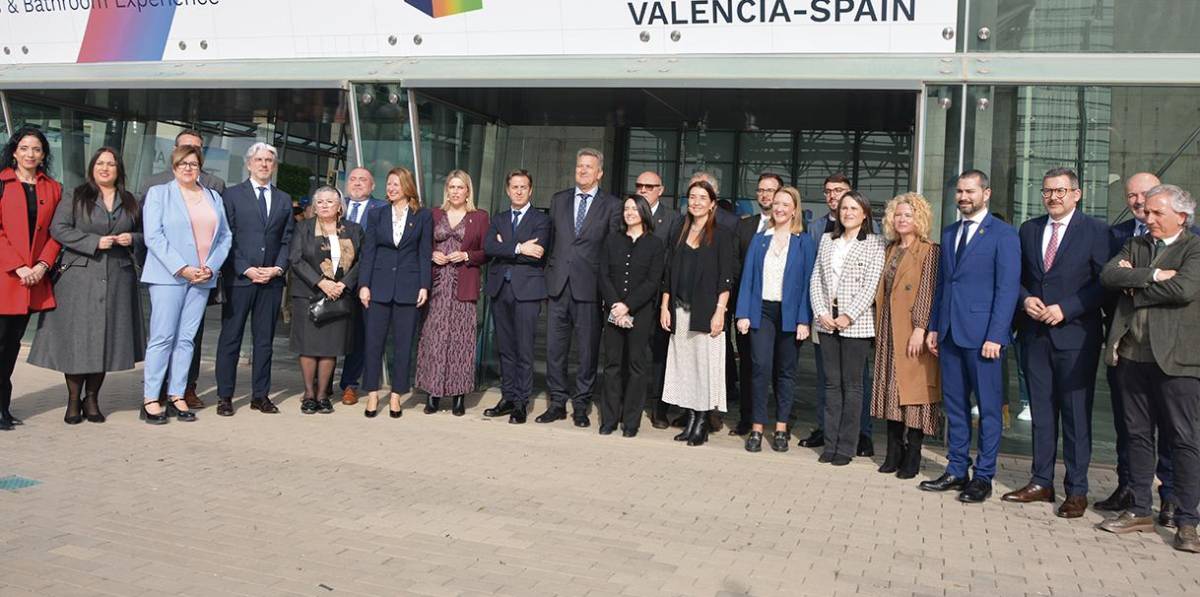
x,y
354,212
262,202
581,212
962,241
516,221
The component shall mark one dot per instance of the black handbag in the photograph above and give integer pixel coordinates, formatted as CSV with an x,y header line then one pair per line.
x,y
324,310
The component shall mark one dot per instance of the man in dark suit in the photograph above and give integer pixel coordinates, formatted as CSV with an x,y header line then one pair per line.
x,y
260,218
666,220
516,242
1152,344
359,186
217,184
582,218
974,300
1059,324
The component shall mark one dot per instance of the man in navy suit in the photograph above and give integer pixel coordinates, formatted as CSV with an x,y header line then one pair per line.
x,y
516,242
582,218
978,283
260,218
1059,325
359,186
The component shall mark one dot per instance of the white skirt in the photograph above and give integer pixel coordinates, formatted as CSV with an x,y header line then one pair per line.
x,y
695,376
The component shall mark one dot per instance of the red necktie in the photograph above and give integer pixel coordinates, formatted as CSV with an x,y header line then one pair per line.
x,y
1052,247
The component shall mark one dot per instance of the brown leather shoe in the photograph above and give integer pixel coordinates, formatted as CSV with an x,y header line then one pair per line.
x,y
1127,522
1029,494
193,401
349,397
1073,507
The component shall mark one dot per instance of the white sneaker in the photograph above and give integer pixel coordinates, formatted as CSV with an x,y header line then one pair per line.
x,y
1025,415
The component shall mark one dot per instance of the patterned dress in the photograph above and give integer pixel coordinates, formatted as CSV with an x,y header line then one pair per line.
x,y
885,395
446,355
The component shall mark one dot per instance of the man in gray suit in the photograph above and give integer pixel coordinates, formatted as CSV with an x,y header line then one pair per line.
x,y
1151,342
208,180
666,220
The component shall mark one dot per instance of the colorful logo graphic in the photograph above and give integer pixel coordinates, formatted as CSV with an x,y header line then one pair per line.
x,y
117,34
445,8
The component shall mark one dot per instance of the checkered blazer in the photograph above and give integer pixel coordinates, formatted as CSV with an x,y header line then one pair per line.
x,y
855,293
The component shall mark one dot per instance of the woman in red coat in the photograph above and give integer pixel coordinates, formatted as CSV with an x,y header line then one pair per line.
x,y
446,355
28,198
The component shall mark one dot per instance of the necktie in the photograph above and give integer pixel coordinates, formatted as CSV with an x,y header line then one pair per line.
x,y
762,224
581,212
354,211
1051,247
1159,245
965,227
516,221
1140,229
262,202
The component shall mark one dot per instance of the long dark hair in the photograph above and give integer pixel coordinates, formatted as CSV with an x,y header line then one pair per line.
x,y
86,194
709,223
8,154
868,225
643,208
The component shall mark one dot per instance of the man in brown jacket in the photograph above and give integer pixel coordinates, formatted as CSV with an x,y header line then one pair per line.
x,y
1152,344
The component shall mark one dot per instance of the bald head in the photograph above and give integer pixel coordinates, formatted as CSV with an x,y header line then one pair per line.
x,y
1135,193
649,185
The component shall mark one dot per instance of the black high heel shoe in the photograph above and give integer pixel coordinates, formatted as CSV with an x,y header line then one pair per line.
x,y
74,414
395,414
159,419
91,408
698,432
371,412
183,415
460,406
431,404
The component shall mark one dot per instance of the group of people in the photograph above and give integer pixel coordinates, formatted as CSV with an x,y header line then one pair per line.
x,y
693,309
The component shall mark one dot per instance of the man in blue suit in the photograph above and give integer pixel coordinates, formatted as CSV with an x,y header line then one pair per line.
x,y
516,242
582,218
977,288
359,186
260,217
1062,254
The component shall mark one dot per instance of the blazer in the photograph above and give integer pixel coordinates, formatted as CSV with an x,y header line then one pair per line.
x,y
257,243
469,271
717,262
397,273
976,294
16,248
665,220
1118,234
797,274
1171,306
747,229
816,228
1072,283
918,381
309,256
526,274
170,243
631,271
855,292
207,180
577,258
372,205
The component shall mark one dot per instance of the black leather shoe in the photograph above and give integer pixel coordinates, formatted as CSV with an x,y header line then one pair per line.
x,y
779,441
74,414
553,413
946,482
690,419
325,406
840,460
581,420
308,406
976,491
516,415
698,431
501,409
740,429
1120,501
159,419
225,407
754,441
629,432
658,416
264,405
816,439
7,418
431,405
395,414
1166,515
91,408
5,425
607,429
866,446
825,457
186,416
459,407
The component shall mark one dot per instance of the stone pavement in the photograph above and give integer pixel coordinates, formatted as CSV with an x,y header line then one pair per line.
x,y
437,505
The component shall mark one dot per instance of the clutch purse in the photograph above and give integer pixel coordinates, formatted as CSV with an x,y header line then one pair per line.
x,y
324,310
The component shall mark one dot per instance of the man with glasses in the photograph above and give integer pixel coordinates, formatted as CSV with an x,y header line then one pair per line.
x,y
649,185
1062,254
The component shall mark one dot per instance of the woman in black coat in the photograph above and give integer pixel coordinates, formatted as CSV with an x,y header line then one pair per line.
x,y
630,273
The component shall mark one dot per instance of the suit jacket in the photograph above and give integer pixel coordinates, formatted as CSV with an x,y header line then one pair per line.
x,y
207,180
170,243
816,228
577,258
631,271
666,220
747,229
309,256
976,294
397,273
372,204
714,275
1073,282
468,271
1119,233
526,274
1172,308
909,305
257,243
18,250
797,274
855,292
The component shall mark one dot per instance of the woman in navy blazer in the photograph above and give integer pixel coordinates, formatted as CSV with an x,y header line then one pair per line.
x,y
773,307
394,280
187,240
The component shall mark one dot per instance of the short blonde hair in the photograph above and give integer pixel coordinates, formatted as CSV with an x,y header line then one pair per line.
x,y
466,180
798,215
922,215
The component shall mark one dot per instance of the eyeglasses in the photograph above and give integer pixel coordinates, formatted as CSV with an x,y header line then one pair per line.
x,y
828,192
765,191
188,165
1058,193
643,185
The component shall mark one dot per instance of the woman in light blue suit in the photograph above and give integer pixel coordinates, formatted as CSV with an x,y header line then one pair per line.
x,y
187,239
773,307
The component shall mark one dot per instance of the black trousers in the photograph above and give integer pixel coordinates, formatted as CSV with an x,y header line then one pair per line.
x,y
774,353
402,320
577,322
747,385
660,340
260,303
12,329
1062,387
516,326
1163,469
352,363
625,366
844,360
1170,405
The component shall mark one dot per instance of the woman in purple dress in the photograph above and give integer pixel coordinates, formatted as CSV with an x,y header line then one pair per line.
x,y
446,355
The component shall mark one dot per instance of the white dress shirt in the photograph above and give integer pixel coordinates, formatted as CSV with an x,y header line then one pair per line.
x,y
266,191
398,225
362,210
591,201
764,223
1049,230
837,259
978,219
